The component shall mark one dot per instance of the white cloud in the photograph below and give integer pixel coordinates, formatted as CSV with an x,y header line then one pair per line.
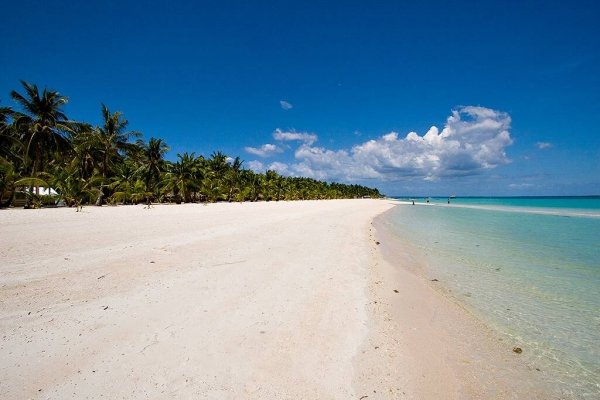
x,y
308,138
256,166
280,167
543,145
285,105
474,139
520,185
263,151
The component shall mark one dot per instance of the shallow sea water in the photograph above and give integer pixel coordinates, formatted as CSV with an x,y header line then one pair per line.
x,y
528,268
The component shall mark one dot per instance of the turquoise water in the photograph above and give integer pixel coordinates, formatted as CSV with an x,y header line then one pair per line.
x,y
566,206
528,267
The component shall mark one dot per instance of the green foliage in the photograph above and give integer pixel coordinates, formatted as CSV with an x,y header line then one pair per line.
x,y
7,182
42,127
40,146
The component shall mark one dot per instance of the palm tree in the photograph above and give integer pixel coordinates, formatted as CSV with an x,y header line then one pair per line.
x,y
270,186
84,154
255,182
107,144
233,177
113,138
43,125
5,115
40,146
281,187
153,162
218,165
122,182
213,184
8,140
73,188
7,182
9,157
182,177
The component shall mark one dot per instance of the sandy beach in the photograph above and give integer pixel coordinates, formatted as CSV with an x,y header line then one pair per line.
x,y
280,300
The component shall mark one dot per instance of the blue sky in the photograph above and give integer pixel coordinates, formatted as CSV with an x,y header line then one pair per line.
x,y
334,89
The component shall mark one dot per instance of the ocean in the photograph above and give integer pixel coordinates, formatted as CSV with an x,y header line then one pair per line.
x,y
528,267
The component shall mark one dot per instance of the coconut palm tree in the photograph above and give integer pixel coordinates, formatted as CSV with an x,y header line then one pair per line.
x,y
281,187
73,188
182,177
108,144
122,182
113,138
43,125
9,157
217,163
153,162
84,154
270,185
232,177
9,142
5,115
256,183
214,184
7,182
40,146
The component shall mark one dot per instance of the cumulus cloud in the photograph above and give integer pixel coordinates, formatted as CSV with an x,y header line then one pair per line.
x,y
474,139
285,105
256,166
263,151
308,138
280,167
321,163
543,145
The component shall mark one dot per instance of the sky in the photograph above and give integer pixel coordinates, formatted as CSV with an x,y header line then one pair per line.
x,y
412,97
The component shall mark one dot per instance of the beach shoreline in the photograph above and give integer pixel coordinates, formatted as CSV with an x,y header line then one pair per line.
x,y
451,353
252,300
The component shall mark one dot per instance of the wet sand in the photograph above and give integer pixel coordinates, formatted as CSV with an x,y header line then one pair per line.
x,y
424,345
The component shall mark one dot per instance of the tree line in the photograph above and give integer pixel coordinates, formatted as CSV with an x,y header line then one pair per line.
x,y
109,164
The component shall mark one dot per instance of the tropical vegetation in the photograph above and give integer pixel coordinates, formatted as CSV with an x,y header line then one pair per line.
x,y
78,164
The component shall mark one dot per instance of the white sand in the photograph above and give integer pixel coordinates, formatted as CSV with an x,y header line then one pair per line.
x,y
225,301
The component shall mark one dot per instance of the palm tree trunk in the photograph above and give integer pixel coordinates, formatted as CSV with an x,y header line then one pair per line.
x,y
100,198
28,198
